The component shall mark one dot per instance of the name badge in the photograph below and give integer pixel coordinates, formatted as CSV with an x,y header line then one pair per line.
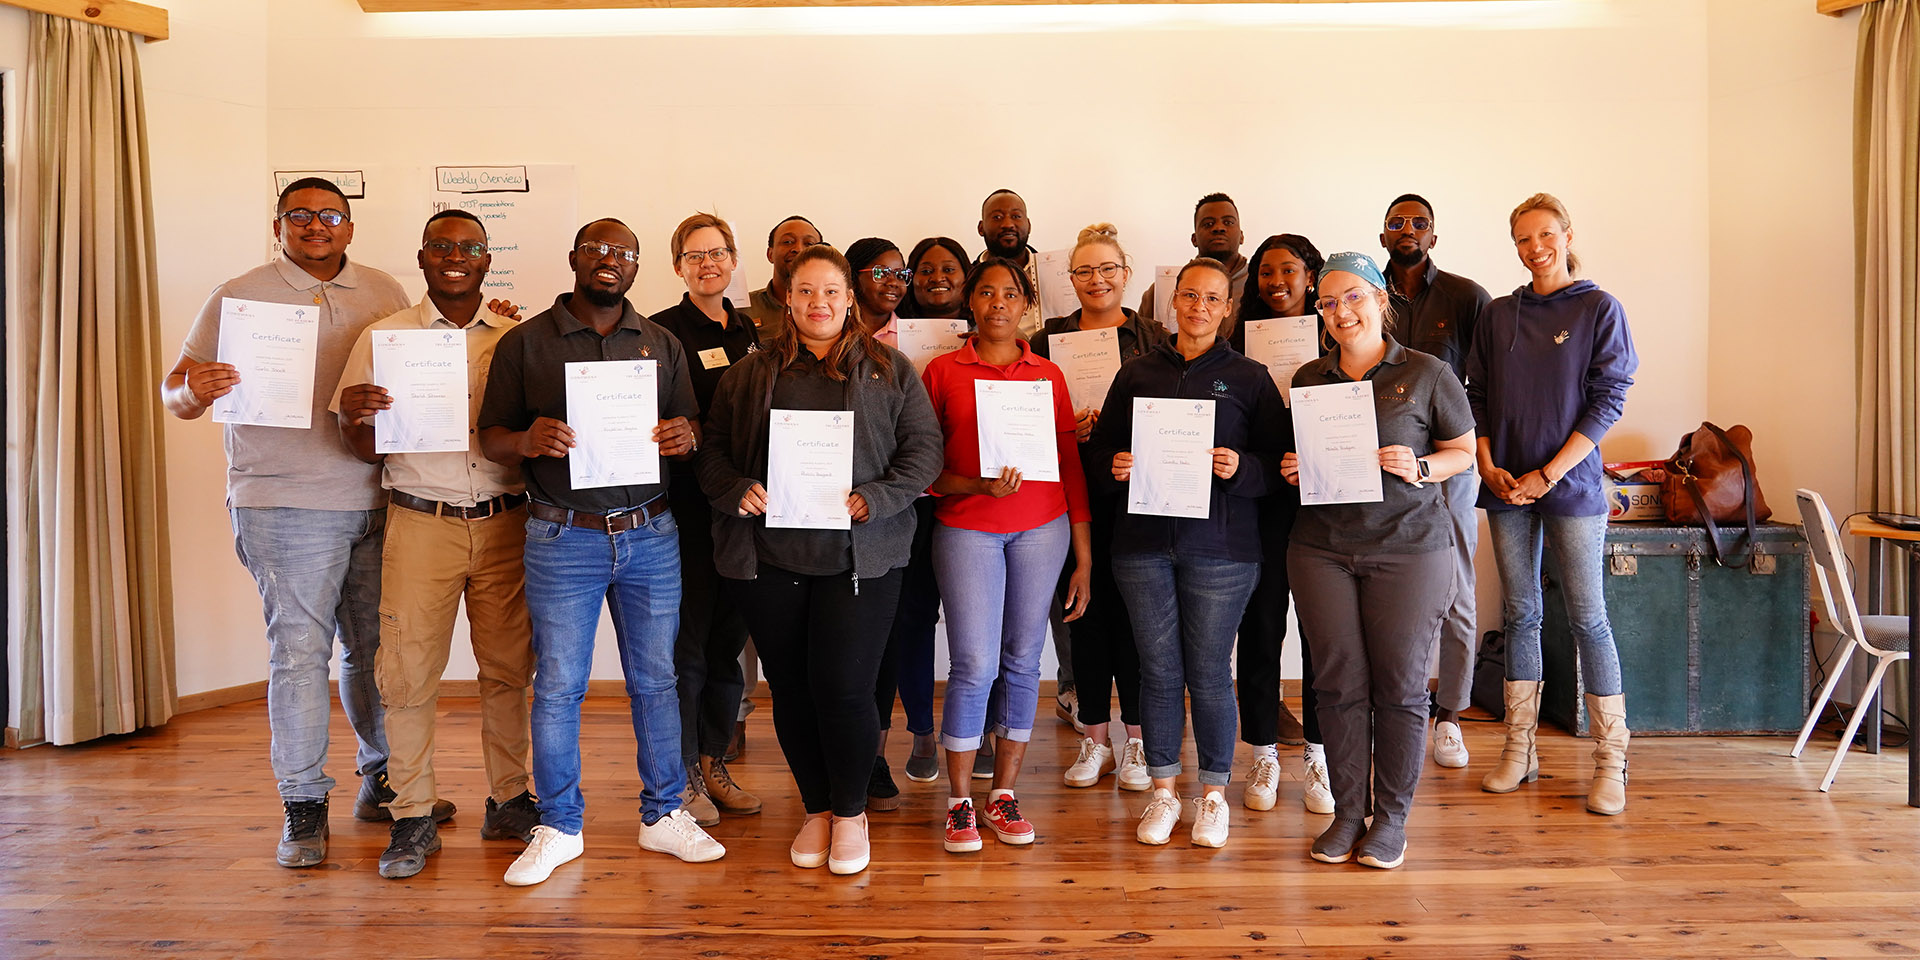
x,y
717,357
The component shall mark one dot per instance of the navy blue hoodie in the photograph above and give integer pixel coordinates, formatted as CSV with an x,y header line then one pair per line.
x,y
1249,417
1542,368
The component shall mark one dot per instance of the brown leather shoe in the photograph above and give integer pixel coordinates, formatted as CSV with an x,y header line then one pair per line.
x,y
737,747
1291,732
811,846
850,850
726,794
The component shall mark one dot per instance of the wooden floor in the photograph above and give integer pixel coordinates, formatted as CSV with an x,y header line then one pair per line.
x,y
161,844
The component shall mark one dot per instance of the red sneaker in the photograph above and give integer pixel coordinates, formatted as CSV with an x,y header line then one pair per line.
x,y
1004,819
962,835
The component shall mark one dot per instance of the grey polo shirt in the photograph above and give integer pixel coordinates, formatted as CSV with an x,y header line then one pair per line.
x,y
528,381
311,468
1416,401
769,316
1440,320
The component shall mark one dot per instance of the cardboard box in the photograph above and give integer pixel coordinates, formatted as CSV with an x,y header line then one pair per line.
x,y
1633,491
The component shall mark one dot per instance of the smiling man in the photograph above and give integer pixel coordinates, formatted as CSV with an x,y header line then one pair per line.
x,y
456,524
1006,229
307,514
611,546
767,306
1216,236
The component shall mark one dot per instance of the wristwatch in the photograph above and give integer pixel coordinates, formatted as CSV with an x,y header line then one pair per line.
x,y
1426,471
1551,482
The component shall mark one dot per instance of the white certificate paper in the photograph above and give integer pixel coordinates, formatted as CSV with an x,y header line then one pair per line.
x,y
1163,280
274,347
1057,298
1172,458
1090,359
613,407
923,340
1017,428
1339,443
810,469
425,371
1283,344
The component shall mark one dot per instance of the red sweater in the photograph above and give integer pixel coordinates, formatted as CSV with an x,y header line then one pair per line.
x,y
950,380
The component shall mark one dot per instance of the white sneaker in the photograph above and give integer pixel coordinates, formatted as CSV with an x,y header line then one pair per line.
x,y
1449,748
1133,767
549,849
1095,761
1210,820
1163,812
1066,706
1319,792
677,834
1263,785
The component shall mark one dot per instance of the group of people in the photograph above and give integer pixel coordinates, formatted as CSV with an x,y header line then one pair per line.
x,y
1480,402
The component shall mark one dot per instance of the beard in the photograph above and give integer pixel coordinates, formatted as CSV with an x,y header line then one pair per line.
x,y
604,298
1404,259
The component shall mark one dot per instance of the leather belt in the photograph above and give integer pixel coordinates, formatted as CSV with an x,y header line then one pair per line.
x,y
610,523
479,511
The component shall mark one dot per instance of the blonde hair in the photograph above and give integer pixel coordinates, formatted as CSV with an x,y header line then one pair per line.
x,y
699,221
1551,204
1102,233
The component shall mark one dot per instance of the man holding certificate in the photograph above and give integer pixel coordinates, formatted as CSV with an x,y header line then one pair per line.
x,y
1371,560
1192,433
307,514
456,526
587,398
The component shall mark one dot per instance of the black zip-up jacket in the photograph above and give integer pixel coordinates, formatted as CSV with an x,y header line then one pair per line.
x,y
1249,417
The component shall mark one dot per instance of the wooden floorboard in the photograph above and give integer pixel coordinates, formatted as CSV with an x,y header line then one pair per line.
x,y
161,844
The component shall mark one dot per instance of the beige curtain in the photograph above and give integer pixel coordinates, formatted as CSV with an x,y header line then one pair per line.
x,y
90,583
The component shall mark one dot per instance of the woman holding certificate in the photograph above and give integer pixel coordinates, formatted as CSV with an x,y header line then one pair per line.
x,y
1377,426
815,450
1191,431
1011,499
1548,376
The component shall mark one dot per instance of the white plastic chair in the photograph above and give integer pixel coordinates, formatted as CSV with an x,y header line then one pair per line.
x,y
1882,637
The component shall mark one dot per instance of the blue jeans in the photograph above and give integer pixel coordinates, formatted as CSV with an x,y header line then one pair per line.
x,y
999,589
319,577
570,572
1185,611
1578,543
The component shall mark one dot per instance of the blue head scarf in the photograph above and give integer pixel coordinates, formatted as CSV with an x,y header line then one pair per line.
x,y
1358,264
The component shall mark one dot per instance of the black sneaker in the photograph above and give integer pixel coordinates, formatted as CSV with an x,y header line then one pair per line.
x,y
414,839
513,820
882,794
303,842
983,759
375,794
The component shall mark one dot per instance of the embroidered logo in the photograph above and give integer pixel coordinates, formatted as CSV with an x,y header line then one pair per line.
x,y
1219,386
645,352
1561,337
1400,388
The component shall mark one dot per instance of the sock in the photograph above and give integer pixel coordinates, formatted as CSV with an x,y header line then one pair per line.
x,y
1317,751
956,801
1270,751
997,793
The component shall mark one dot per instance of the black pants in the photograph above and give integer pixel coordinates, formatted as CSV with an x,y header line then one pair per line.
x,y
1263,631
1102,650
706,651
908,663
820,647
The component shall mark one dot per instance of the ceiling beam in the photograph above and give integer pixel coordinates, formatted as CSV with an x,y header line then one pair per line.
x,y
144,19
457,6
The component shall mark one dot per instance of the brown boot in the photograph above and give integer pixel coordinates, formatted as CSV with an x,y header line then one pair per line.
x,y
1520,760
810,847
737,747
850,850
1291,732
1607,722
695,801
726,794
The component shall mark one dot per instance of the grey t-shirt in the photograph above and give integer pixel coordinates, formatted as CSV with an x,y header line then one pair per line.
x,y
311,468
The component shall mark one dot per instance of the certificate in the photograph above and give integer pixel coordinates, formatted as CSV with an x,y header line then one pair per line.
x,y
810,469
425,371
1057,298
923,340
1017,428
1283,344
1163,283
1339,443
737,292
1172,458
274,347
613,407
1090,359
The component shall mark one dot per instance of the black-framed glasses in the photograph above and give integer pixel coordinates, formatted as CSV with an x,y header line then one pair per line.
x,y
694,258
1191,297
474,249
880,274
1351,300
301,216
1400,223
1107,271
598,250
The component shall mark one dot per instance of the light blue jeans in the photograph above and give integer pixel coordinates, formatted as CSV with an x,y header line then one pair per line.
x,y
319,577
1579,543
998,589
571,571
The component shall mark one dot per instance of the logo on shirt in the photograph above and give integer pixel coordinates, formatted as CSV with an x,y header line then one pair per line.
x,y
645,352
1220,386
1561,337
753,348
1400,388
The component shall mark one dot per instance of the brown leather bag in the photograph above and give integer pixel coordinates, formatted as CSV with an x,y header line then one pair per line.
x,y
1711,480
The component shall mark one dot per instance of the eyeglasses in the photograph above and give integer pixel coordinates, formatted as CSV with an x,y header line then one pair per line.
x,y
301,216
694,258
474,249
880,274
1107,271
1351,300
1400,223
1189,298
598,250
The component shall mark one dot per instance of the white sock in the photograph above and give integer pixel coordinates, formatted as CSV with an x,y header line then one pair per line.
x,y
1316,751
956,801
997,793
1270,751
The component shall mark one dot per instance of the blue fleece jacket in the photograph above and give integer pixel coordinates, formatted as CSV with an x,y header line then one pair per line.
x,y
1542,368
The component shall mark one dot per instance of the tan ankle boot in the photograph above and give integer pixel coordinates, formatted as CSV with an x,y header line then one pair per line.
x,y
1607,722
810,847
726,794
850,850
1519,761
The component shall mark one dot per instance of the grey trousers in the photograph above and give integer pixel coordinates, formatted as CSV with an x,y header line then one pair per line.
x,y
1460,632
1371,622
